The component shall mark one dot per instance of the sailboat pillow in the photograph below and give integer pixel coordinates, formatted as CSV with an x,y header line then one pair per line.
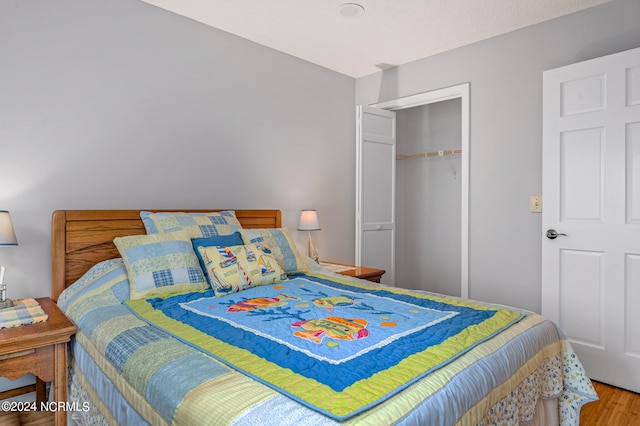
x,y
278,243
236,268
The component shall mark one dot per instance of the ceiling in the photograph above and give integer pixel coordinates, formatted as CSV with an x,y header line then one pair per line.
x,y
388,33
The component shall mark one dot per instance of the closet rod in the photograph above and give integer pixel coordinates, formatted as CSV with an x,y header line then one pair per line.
x,y
429,154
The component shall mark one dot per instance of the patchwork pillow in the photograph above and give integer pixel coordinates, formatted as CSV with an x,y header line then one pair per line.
x,y
160,264
236,268
198,225
219,240
278,243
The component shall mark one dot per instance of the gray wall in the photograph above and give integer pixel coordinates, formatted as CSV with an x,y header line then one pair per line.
x,y
118,104
506,130
428,198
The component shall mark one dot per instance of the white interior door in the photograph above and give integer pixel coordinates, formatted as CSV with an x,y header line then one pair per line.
x,y
591,193
375,190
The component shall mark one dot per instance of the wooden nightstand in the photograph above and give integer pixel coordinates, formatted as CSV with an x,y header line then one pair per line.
x,y
370,274
40,349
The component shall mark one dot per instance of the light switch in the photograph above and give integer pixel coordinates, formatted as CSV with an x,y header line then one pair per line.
x,y
535,203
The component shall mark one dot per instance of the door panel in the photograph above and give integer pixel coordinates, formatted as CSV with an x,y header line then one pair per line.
x,y
581,174
377,125
375,250
591,193
583,95
377,187
633,173
375,190
632,298
581,274
633,86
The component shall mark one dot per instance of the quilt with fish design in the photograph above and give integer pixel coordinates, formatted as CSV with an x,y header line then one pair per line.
x,y
336,346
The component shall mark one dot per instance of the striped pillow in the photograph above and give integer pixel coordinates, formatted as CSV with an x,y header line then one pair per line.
x,y
198,225
160,264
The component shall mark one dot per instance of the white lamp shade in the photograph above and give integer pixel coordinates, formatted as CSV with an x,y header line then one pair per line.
x,y
7,234
308,221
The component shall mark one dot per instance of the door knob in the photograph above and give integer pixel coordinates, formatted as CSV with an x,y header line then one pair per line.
x,y
552,234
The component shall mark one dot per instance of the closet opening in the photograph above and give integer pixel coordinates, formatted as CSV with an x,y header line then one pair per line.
x,y
432,190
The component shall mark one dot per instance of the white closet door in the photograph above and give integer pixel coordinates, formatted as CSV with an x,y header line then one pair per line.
x,y
591,193
375,190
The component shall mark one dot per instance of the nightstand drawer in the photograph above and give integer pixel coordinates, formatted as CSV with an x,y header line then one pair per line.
x,y
39,362
17,354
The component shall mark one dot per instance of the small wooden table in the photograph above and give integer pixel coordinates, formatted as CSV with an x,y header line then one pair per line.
x,y
40,349
369,274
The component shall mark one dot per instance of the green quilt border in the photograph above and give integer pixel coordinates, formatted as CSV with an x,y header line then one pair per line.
x,y
358,396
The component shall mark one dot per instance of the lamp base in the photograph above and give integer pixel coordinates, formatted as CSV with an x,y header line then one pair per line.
x,y
6,303
312,251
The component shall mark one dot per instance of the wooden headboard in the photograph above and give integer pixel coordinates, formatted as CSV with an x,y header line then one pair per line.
x,y
82,238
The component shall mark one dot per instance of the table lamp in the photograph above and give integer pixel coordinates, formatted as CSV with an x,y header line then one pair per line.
x,y
309,222
7,238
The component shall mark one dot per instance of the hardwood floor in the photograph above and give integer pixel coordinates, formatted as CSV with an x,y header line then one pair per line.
x,y
33,418
616,407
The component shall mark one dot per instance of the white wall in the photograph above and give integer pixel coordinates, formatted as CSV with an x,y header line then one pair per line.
x,y
118,104
506,130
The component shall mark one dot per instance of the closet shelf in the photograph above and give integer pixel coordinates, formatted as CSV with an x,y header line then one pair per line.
x,y
441,153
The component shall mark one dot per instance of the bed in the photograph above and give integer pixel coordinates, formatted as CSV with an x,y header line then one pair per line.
x,y
281,340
